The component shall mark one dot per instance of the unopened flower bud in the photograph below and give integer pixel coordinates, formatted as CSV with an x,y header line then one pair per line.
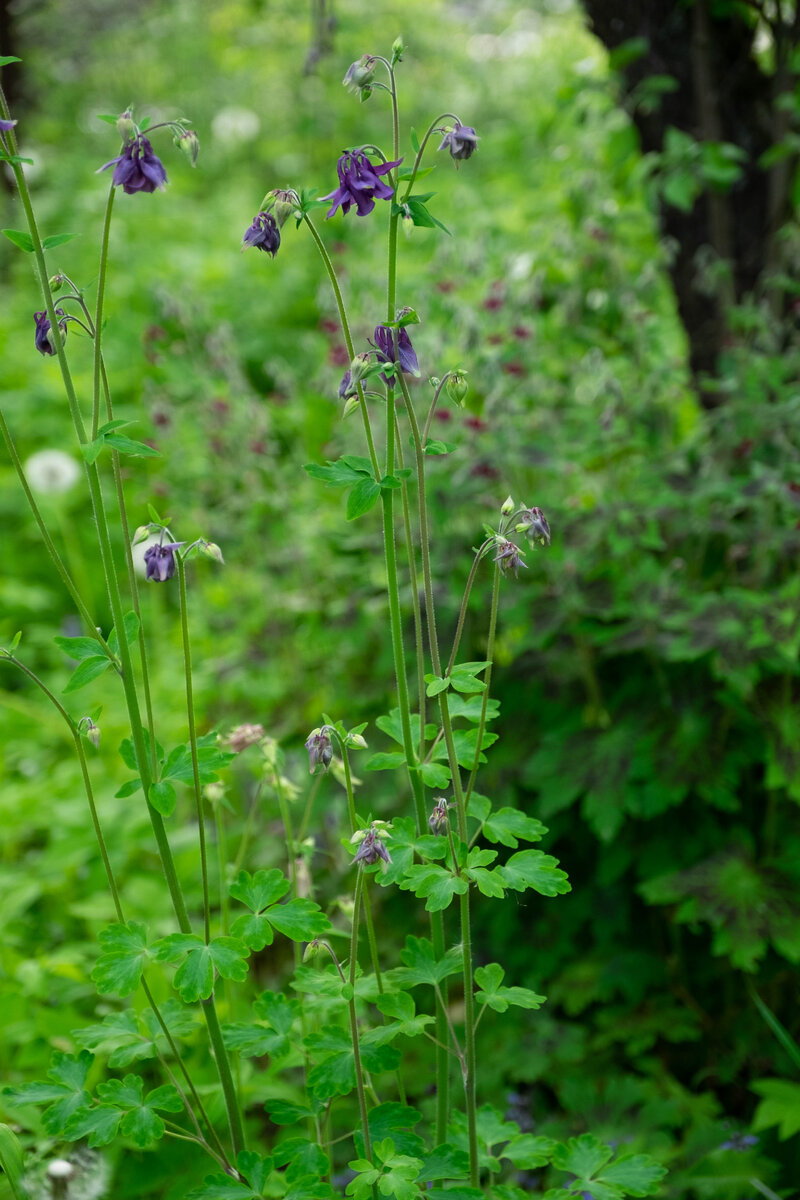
x,y
318,745
125,125
211,550
281,202
311,951
398,49
243,736
358,369
457,387
508,507
360,75
57,283
90,731
351,406
356,741
189,144
141,535
214,792
408,226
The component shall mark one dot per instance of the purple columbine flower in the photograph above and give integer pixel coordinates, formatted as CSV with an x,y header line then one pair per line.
x,y
318,745
43,340
508,556
5,126
359,184
439,820
160,562
384,344
461,141
263,234
137,169
535,525
371,850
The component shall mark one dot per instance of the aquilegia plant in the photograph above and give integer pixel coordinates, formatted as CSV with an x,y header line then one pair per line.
x,y
346,1068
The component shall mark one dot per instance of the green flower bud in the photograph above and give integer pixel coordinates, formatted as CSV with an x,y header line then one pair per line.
x,y
57,283
508,507
125,125
189,144
457,387
211,550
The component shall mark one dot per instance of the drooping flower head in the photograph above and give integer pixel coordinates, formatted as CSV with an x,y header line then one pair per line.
x,y
509,556
534,523
44,341
461,141
359,183
439,820
384,344
160,562
371,847
360,75
137,169
263,234
320,753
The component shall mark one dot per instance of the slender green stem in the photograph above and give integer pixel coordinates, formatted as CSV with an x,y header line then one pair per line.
x,y
226,1078
487,681
345,324
129,686
469,1071
58,562
244,841
462,612
362,1099
421,151
432,408
98,317
414,582
132,583
198,792
351,808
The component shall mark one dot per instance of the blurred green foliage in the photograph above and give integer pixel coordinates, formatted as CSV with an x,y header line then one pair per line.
x,y
647,662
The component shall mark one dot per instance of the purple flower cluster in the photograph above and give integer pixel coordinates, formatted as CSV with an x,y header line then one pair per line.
x,y
359,184
137,169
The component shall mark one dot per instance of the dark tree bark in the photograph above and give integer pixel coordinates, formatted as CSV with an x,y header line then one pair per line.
x,y
723,95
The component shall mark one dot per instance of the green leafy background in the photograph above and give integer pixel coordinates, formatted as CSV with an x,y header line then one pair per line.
x,y
646,667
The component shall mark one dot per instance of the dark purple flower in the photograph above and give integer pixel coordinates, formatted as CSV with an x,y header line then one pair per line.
x,y
508,556
318,745
137,169
43,339
372,849
359,183
5,126
160,562
740,1142
384,344
439,820
535,525
461,141
263,234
